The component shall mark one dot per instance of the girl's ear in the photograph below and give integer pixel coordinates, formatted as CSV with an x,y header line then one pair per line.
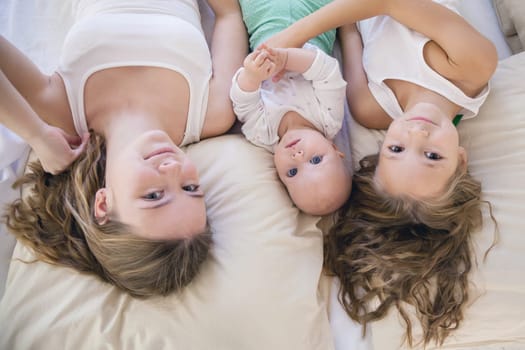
x,y
101,206
462,159
337,151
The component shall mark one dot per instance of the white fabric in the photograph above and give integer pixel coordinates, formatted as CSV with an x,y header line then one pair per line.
x,y
154,33
382,35
318,95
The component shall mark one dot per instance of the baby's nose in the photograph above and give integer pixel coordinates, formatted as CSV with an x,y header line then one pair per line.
x,y
297,154
169,165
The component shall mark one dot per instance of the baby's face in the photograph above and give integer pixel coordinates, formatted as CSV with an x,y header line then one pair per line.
x,y
312,169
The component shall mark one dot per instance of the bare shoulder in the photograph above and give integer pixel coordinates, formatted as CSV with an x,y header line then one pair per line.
x,y
470,72
53,105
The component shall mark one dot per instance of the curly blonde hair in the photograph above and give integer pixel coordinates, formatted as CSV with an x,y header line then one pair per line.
x,y
398,252
56,219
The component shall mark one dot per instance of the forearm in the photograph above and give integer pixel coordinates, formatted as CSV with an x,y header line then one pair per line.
x,y
23,74
330,16
352,57
16,113
299,60
458,39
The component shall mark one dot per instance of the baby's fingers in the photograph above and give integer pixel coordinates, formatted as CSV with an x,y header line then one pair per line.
x,y
261,58
270,68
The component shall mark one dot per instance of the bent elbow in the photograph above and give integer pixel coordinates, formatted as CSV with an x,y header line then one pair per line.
x,y
487,62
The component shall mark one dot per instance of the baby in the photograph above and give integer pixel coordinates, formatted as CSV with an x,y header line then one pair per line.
x,y
296,115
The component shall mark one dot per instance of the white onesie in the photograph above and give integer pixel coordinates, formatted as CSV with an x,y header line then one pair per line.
x,y
388,53
154,33
318,95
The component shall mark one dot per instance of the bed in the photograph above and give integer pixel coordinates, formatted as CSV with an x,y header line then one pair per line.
x,y
263,287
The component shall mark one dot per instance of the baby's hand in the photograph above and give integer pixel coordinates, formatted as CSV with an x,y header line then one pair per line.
x,y
279,57
56,149
257,67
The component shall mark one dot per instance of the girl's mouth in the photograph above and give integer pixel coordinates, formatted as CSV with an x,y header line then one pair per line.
x,y
422,119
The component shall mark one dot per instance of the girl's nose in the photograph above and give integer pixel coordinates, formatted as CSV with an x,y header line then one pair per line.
x,y
418,130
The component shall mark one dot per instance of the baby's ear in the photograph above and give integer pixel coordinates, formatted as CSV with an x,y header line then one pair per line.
x,y
337,151
462,159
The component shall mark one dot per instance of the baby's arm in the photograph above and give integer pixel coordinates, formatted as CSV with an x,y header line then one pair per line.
x,y
329,88
25,95
244,91
245,94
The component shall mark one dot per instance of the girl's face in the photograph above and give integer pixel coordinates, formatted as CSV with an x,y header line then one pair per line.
x,y
419,155
153,186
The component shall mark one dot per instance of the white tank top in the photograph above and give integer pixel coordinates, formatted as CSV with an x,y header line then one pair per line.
x,y
389,54
154,33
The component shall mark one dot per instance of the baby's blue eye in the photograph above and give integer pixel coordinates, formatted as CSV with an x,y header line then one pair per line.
x,y
316,159
292,172
153,196
433,155
396,149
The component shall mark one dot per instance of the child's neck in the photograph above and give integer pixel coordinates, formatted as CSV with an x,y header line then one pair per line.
x,y
293,120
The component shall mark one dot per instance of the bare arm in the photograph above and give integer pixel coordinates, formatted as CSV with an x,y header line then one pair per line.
x,y
229,46
25,94
363,106
458,51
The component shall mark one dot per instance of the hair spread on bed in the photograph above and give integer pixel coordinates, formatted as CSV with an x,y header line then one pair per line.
x,y
406,253
56,220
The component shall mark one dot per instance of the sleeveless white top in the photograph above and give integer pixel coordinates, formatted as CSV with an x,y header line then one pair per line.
x,y
389,54
154,33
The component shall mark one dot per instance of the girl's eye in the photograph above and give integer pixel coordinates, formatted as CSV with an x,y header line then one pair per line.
x,y
153,196
292,172
396,149
191,188
433,155
316,159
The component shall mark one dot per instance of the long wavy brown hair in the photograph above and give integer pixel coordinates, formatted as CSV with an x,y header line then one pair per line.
x,y
55,217
405,253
